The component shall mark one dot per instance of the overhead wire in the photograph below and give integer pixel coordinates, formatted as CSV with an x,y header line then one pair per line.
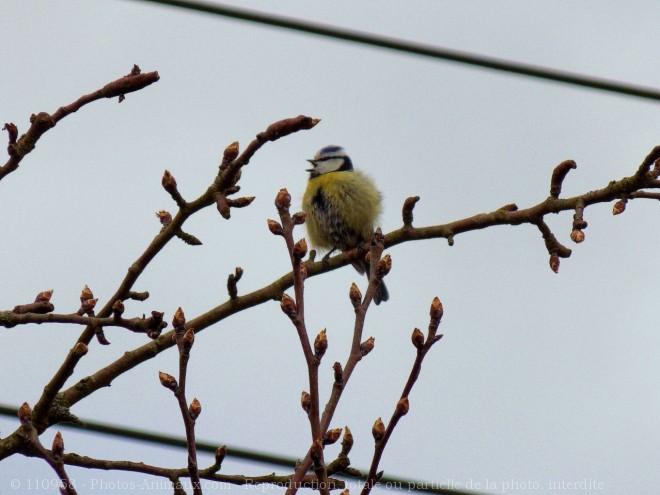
x,y
415,48
89,426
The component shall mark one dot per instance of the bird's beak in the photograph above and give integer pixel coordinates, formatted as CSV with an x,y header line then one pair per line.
x,y
313,162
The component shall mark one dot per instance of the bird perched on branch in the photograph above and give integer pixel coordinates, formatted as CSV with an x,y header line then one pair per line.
x,y
342,206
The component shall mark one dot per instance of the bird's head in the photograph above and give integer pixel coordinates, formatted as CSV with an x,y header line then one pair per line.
x,y
329,159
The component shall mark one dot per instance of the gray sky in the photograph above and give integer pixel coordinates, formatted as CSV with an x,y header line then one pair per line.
x,y
540,377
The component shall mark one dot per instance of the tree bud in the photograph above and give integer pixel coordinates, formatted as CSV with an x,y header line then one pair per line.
x,y
305,401
316,451
275,227
299,217
288,306
436,310
58,446
384,266
417,338
367,346
339,373
195,409
619,207
88,305
283,200
86,294
355,296
241,202
44,296
167,381
165,217
118,308
347,441
300,249
25,413
80,349
378,430
222,205
179,319
554,263
320,344
577,236
331,436
188,338
220,454
230,153
168,182
403,406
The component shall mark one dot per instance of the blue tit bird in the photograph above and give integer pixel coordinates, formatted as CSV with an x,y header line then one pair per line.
x,y
342,206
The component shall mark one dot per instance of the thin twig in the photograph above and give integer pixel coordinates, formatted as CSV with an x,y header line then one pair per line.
x,y
42,122
209,473
296,312
152,325
33,446
403,404
185,339
357,352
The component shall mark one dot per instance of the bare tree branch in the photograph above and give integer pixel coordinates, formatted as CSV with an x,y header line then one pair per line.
x,y
32,446
403,405
510,215
42,122
225,180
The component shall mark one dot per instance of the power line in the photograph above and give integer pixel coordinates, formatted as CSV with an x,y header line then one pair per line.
x,y
387,43
232,452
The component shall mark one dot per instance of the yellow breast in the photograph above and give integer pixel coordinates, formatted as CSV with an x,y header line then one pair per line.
x,y
342,209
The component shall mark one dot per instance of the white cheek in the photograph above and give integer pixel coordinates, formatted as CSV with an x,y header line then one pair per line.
x,y
329,165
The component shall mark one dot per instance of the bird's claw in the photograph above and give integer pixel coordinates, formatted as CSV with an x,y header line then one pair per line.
x,y
326,258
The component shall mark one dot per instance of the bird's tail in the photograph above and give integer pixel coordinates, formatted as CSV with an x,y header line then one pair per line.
x,y
382,294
